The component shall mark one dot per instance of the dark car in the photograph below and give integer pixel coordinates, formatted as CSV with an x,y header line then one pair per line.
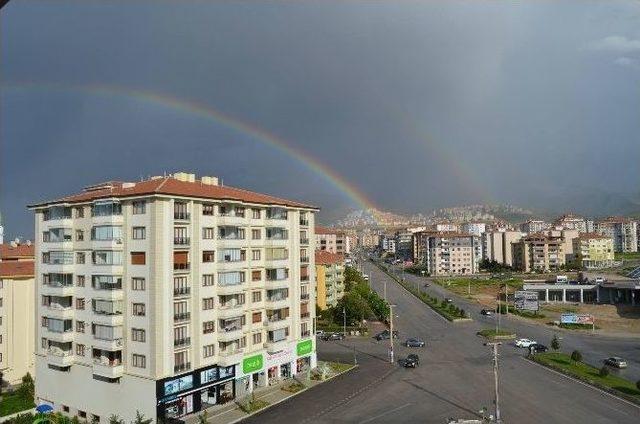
x,y
384,335
538,348
427,285
332,336
616,361
412,361
486,312
413,342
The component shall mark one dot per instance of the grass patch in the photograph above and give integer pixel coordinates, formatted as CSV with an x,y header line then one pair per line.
x,y
294,387
339,367
14,402
491,333
627,256
253,405
578,326
591,375
462,285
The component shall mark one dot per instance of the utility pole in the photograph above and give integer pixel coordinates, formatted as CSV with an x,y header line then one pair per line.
x,y
496,380
344,322
391,333
385,289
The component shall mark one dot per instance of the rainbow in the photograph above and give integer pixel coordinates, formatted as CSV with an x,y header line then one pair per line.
x,y
213,115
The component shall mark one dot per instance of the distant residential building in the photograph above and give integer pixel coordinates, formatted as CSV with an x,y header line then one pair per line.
x,y
450,253
329,278
387,243
332,241
534,226
445,226
475,228
623,231
404,245
17,311
368,239
539,252
571,222
593,251
497,246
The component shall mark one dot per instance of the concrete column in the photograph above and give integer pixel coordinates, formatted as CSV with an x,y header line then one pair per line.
x,y
633,298
581,296
564,295
546,295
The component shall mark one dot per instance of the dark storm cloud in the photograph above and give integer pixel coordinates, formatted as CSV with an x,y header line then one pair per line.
x,y
419,104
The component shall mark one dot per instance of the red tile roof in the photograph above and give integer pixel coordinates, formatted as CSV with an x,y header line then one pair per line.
x,y
20,251
327,258
173,187
325,230
16,269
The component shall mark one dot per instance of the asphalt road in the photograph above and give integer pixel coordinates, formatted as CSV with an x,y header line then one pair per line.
x,y
455,379
594,348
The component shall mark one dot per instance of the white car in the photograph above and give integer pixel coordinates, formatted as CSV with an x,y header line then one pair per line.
x,y
525,342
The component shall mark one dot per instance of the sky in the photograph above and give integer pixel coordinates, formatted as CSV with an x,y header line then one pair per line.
x,y
415,104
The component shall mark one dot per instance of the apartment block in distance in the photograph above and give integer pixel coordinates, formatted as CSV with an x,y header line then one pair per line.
x,y
329,278
623,231
169,296
593,251
539,252
17,311
497,245
332,241
447,253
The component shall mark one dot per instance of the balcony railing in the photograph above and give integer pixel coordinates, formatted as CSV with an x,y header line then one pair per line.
x,y
304,259
304,241
182,215
181,241
304,296
305,315
107,286
304,222
107,362
182,316
58,284
305,333
181,291
182,342
304,278
181,266
182,367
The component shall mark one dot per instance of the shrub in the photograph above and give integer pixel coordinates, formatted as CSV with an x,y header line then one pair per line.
x,y
638,384
576,356
555,343
604,371
463,313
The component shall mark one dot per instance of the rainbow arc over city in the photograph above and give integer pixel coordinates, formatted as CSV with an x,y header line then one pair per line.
x,y
211,114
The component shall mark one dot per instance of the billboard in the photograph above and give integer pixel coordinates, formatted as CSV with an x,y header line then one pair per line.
x,y
526,300
585,319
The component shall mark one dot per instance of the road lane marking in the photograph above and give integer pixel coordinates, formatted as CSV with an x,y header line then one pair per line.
x,y
385,413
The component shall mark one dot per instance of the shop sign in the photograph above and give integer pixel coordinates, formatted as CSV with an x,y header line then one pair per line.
x,y
304,347
576,319
280,357
178,385
252,364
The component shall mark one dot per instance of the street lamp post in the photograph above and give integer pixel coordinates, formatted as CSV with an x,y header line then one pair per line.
x,y
344,322
391,306
495,345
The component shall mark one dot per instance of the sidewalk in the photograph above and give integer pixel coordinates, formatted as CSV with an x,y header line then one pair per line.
x,y
273,395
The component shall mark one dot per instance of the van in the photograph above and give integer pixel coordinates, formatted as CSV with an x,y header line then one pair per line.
x,y
562,279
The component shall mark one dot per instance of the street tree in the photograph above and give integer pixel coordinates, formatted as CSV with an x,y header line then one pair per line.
x,y
576,356
555,343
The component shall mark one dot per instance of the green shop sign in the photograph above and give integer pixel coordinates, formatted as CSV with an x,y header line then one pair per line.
x,y
305,347
252,363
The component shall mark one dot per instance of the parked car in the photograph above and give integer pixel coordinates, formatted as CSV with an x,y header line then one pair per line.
x,y
413,342
365,276
384,335
448,300
332,336
525,342
486,312
427,285
412,361
319,333
616,361
538,348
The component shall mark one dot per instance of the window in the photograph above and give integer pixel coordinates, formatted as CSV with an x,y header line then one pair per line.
x,y
44,343
80,280
256,296
139,361
208,256
208,327
82,414
255,213
138,258
207,280
138,309
207,210
139,207
257,338
65,408
231,255
208,351
255,234
230,278
106,257
256,275
107,233
80,303
256,317
79,212
80,349
208,233
207,303
80,326
138,335
255,255
79,235
139,233
80,257
239,211
138,283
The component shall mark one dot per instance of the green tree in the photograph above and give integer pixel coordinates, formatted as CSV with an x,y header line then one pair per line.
x,y
202,418
355,308
604,371
140,419
27,389
555,343
576,356
115,419
638,384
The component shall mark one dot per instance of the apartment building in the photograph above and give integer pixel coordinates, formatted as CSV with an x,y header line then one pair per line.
x,y
534,226
593,251
332,241
623,231
539,252
450,253
475,228
404,245
387,243
446,226
169,295
17,311
571,222
329,278
497,246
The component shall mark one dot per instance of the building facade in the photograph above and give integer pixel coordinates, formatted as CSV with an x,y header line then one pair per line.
x,y
329,278
17,311
623,232
332,241
497,246
475,228
571,222
451,253
169,295
539,253
593,251
534,226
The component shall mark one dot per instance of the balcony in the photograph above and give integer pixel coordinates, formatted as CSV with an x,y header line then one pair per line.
x,y
304,222
181,241
230,310
181,317
59,357
277,302
275,323
181,267
230,332
181,291
230,356
111,319
230,289
304,241
56,310
304,278
181,216
305,315
304,259
60,336
181,343
304,297
107,344
186,366
276,346
113,369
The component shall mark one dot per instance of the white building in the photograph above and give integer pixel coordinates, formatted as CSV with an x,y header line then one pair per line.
x,y
169,295
475,228
534,226
623,231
